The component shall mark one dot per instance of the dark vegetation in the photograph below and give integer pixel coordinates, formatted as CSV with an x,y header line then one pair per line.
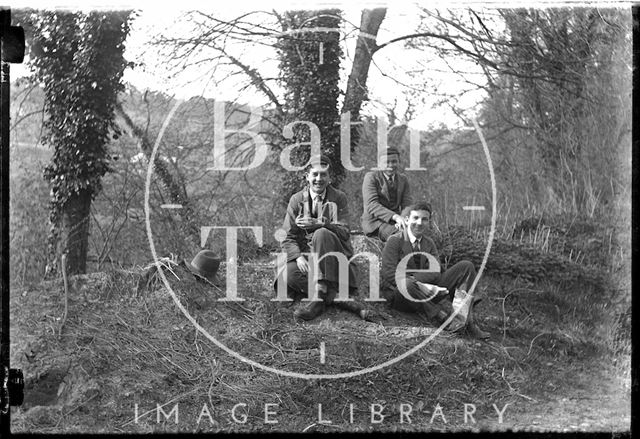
x,y
312,94
79,60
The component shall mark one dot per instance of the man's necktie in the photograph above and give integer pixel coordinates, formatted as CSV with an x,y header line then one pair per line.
x,y
417,259
317,206
393,190
392,182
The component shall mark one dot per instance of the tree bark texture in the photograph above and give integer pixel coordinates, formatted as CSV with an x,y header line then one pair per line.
x,y
356,92
366,46
75,232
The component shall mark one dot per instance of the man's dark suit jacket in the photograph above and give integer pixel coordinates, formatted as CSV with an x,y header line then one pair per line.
x,y
375,199
297,240
397,247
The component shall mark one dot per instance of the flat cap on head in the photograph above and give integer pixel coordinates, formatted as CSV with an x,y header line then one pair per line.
x,y
390,151
321,160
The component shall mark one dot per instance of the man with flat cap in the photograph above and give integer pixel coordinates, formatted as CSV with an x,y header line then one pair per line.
x,y
315,223
384,194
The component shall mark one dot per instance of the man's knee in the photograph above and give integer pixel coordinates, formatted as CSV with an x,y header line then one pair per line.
x,y
295,279
322,235
385,231
465,266
461,275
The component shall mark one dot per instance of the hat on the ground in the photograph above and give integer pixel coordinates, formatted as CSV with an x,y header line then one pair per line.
x,y
205,264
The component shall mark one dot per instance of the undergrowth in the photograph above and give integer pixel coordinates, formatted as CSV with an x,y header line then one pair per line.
x,y
557,326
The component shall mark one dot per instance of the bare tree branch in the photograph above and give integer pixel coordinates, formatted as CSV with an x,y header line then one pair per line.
x,y
173,188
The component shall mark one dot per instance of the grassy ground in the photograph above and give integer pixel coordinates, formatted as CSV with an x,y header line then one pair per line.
x,y
126,348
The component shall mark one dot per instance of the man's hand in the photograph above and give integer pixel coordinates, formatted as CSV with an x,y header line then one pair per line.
x,y
400,223
309,223
302,263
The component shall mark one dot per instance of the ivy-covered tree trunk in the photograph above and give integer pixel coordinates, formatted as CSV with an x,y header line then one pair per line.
x,y
310,55
75,230
79,60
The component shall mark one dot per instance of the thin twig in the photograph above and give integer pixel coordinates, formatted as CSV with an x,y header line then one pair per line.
x,y
177,398
63,263
534,339
504,317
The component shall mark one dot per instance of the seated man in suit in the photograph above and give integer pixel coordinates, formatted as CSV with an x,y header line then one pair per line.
x,y
315,223
437,307
384,195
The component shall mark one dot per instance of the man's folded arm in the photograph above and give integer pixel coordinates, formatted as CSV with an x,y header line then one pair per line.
x,y
433,249
426,277
341,228
290,243
391,255
430,277
406,195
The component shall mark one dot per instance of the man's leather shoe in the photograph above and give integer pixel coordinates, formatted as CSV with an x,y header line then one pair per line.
x,y
474,332
370,316
440,318
311,311
324,293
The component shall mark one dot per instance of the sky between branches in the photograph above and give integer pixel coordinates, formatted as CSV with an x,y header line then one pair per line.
x,y
389,79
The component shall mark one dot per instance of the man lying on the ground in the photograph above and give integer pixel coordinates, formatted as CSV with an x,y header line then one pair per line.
x,y
437,307
315,223
384,195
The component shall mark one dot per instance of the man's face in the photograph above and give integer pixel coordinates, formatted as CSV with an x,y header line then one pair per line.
x,y
318,178
418,222
393,161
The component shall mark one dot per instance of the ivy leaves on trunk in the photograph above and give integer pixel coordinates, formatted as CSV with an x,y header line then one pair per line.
x,y
310,54
79,59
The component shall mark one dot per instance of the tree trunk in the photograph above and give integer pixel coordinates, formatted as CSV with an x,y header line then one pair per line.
x,y
356,91
75,232
366,46
310,74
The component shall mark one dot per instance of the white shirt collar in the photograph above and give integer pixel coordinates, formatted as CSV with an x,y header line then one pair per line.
x,y
388,177
313,195
412,237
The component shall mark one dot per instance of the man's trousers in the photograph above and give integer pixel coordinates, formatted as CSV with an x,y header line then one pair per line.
x,y
384,232
323,241
461,275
